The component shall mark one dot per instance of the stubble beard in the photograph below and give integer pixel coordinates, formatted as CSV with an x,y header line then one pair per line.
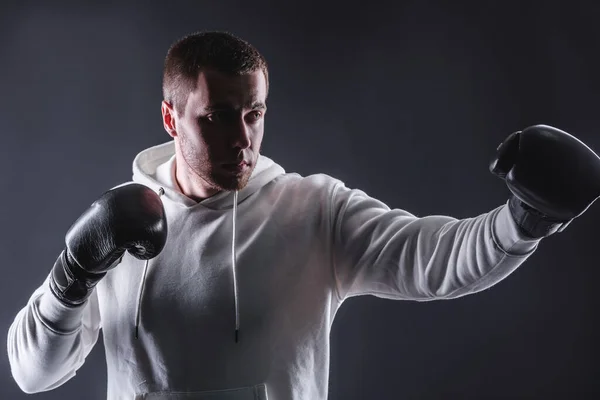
x,y
232,183
208,175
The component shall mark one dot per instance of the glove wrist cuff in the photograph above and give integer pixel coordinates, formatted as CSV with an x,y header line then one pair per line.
x,y
70,283
531,222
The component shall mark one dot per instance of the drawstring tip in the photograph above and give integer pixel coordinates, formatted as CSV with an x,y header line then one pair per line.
x,y
237,335
136,332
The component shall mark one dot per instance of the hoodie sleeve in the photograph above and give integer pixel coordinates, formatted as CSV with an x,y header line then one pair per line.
x,y
48,342
393,254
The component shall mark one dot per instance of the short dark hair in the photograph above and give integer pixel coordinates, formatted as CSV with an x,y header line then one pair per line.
x,y
217,50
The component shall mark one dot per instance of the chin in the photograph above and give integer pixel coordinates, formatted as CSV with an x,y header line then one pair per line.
x,y
233,183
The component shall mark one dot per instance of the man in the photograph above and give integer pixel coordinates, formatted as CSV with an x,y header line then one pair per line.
x,y
217,275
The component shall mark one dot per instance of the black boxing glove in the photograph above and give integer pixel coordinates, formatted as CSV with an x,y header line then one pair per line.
x,y
553,178
127,218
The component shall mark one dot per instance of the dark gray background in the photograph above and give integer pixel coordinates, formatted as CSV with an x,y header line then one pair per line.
x,y
405,100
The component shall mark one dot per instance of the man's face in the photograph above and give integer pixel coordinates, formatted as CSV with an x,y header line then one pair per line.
x,y
221,129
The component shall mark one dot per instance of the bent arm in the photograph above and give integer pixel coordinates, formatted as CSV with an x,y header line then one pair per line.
x,y
48,341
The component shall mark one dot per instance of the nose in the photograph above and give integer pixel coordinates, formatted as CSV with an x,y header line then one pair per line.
x,y
241,135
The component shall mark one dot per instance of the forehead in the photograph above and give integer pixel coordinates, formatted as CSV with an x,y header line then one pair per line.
x,y
238,90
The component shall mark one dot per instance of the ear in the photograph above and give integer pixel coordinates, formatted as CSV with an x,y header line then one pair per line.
x,y
168,117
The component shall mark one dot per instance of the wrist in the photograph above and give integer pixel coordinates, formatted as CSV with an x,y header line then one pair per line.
x,y
531,222
70,283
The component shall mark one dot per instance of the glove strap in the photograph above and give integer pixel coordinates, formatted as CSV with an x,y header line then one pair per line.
x,y
531,222
70,283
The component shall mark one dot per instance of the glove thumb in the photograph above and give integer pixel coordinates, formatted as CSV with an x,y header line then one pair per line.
x,y
506,155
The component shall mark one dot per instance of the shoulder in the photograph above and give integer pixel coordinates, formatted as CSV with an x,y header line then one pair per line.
x,y
313,182
299,192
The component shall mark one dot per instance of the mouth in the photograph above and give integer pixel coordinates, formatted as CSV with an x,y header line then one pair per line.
x,y
235,168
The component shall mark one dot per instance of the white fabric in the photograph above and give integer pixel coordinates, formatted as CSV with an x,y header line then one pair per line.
x,y
303,245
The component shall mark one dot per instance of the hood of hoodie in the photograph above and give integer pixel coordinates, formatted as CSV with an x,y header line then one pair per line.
x,y
155,168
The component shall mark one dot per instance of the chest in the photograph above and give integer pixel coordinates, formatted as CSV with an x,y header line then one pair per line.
x,y
278,263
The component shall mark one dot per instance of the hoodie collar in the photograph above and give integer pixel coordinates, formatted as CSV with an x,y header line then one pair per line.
x,y
155,167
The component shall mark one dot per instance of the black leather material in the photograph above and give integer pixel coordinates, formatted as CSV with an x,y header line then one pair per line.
x,y
71,284
532,223
128,218
554,175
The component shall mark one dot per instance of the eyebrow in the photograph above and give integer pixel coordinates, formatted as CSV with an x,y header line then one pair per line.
x,y
227,106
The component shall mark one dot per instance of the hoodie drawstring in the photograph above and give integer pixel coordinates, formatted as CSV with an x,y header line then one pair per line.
x,y
161,191
139,302
233,268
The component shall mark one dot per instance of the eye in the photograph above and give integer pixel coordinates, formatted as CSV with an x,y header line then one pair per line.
x,y
214,117
254,116
220,117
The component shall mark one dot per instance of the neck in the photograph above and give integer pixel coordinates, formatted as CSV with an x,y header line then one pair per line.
x,y
190,184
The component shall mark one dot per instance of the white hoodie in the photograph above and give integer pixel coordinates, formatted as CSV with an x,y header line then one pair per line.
x,y
276,260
